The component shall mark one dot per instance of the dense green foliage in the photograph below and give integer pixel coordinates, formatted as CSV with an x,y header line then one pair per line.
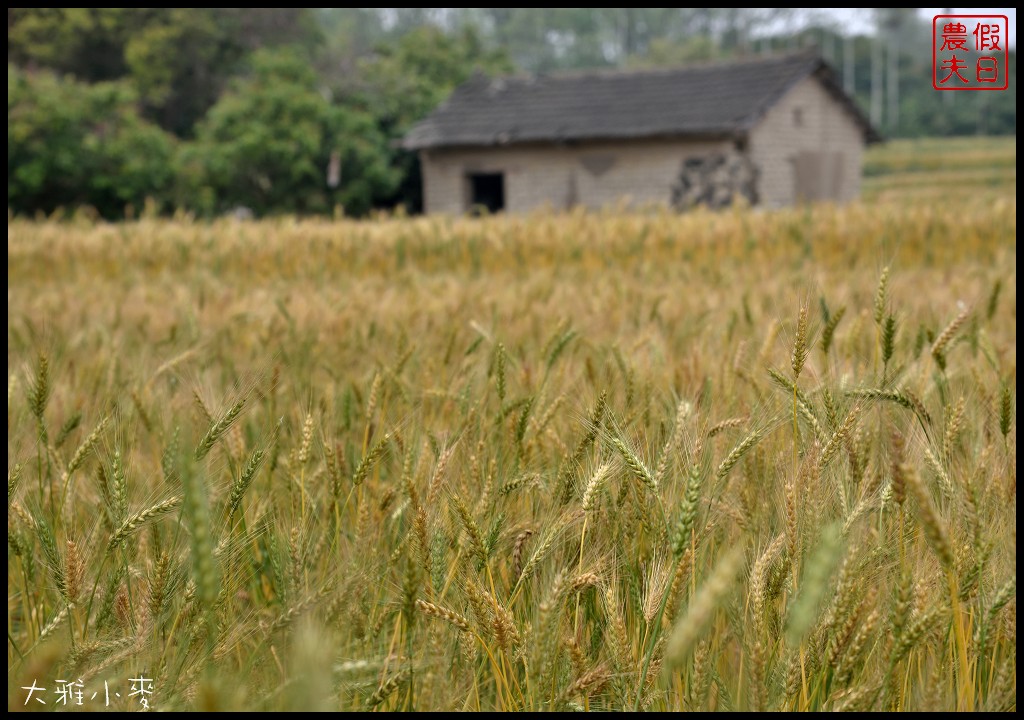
x,y
179,59
267,142
195,92
71,144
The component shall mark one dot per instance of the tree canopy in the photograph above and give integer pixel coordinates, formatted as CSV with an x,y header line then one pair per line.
x,y
71,144
268,142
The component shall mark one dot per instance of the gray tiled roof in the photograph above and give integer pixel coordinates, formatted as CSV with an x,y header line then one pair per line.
x,y
707,100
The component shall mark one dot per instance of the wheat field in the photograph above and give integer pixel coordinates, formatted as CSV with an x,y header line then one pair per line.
x,y
611,461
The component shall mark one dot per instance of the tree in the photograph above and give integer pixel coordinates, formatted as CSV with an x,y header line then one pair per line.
x,y
269,140
72,144
178,59
402,83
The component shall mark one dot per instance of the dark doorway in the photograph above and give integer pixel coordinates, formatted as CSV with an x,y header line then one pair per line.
x,y
487,192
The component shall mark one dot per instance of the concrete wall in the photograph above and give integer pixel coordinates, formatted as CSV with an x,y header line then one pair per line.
x,y
807,147
562,176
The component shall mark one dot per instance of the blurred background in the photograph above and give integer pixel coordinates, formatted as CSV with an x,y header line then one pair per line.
x,y
163,109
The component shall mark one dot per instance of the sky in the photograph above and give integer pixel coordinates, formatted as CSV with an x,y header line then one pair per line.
x,y
859,20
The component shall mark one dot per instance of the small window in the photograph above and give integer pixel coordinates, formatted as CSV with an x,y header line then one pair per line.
x,y
798,117
486,192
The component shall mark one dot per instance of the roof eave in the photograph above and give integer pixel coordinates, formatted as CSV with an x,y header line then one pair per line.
x,y
736,133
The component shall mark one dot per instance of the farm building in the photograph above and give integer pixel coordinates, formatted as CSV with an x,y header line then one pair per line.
x,y
774,130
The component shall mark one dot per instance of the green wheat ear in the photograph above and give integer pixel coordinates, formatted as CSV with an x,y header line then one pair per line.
x,y
218,428
197,517
699,615
39,389
1005,411
888,338
814,585
829,331
882,296
800,342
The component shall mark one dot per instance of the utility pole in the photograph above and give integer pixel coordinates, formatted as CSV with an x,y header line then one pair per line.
x,y
877,56
894,23
848,60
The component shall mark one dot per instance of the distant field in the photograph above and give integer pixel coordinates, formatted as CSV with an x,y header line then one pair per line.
x,y
952,170
723,461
